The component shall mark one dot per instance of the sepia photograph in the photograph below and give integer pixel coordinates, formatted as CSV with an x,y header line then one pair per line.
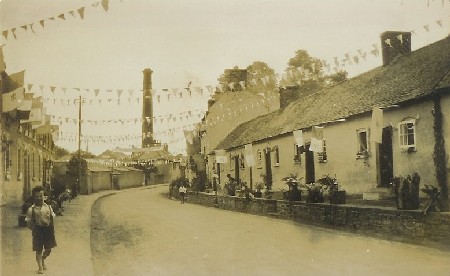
x,y
213,137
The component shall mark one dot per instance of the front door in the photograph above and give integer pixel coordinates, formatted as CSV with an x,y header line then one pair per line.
x,y
268,163
385,160
26,175
309,165
236,169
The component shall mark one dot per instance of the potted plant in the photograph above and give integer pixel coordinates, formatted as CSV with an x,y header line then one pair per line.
x,y
315,193
331,184
434,194
258,190
293,193
406,190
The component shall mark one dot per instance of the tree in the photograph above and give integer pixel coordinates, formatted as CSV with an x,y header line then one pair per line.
x,y
260,78
60,152
307,73
73,170
232,79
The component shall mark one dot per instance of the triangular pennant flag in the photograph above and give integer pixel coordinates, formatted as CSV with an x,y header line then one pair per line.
x,y
388,42
119,92
96,91
31,27
62,16
13,30
42,23
439,22
400,37
131,91
41,87
29,87
374,52
5,34
105,4
52,88
427,28
72,13
52,18
81,12
25,27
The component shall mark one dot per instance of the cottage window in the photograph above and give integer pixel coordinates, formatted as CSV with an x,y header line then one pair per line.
x,y
407,134
230,162
323,155
259,156
7,162
363,142
277,156
298,150
19,164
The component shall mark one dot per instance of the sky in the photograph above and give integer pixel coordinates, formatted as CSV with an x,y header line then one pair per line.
x,y
183,41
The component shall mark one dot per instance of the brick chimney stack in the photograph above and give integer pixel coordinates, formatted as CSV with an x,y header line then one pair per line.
x,y
394,44
147,110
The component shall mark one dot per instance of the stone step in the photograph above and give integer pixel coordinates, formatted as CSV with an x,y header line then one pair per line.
x,y
377,194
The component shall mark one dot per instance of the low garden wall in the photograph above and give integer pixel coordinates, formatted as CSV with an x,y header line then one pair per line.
x,y
432,229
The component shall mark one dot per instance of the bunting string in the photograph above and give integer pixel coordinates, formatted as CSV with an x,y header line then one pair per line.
x,y
31,27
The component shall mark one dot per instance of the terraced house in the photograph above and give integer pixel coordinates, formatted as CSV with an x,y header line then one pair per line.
x,y
393,120
27,149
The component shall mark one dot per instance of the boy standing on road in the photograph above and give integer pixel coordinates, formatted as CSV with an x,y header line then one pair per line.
x,y
182,191
40,220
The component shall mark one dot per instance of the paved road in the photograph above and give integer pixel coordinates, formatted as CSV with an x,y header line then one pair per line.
x,y
142,232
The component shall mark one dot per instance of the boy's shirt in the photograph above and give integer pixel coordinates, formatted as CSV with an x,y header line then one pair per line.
x,y
42,214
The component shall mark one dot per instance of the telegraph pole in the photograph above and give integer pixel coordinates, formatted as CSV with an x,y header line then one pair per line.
x,y
79,144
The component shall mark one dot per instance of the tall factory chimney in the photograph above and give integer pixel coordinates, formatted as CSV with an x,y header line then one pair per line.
x,y
147,110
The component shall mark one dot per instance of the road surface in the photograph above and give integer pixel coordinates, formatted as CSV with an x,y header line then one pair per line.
x,y
142,232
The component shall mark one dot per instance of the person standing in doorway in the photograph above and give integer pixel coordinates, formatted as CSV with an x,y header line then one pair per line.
x,y
182,190
40,220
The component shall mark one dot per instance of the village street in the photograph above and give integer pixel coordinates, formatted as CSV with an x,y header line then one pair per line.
x,y
142,232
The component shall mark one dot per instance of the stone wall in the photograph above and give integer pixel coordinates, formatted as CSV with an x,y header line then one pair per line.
x,y
432,229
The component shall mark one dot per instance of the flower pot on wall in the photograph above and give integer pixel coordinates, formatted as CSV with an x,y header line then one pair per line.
x,y
338,197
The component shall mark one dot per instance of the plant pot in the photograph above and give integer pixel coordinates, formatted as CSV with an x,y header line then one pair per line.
x,y
338,197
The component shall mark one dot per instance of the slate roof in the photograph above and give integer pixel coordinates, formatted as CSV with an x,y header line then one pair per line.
x,y
411,76
109,154
158,154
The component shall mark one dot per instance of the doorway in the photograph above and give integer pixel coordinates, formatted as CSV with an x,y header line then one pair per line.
x,y
309,165
385,160
268,162
236,169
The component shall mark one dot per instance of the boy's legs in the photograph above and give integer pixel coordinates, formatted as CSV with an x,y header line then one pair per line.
x,y
44,256
39,260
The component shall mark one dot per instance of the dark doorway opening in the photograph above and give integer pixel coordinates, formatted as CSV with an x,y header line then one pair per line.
x,y
385,161
236,169
268,162
309,165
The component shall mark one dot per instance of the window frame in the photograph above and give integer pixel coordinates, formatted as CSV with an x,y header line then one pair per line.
x,y
362,150
322,156
276,157
298,151
259,156
404,134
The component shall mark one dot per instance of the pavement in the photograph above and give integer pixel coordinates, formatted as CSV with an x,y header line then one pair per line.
x,y
72,256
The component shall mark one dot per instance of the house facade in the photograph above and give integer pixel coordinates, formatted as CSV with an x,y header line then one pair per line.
x,y
27,146
393,120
